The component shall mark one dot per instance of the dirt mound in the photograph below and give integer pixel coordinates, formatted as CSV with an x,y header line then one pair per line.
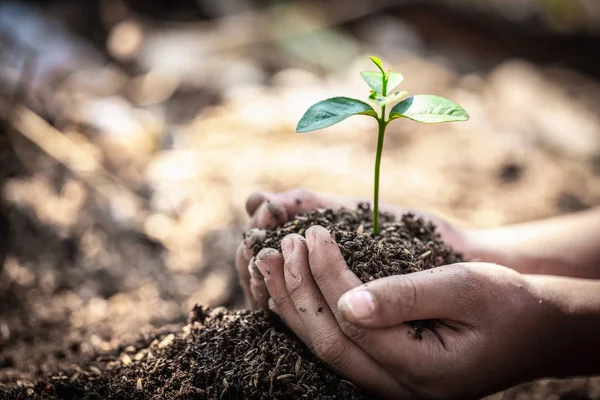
x,y
250,354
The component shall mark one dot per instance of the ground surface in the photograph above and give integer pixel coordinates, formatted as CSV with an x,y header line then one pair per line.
x,y
100,252
234,355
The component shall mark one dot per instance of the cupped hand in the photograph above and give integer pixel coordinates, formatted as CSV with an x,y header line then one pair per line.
x,y
489,324
270,210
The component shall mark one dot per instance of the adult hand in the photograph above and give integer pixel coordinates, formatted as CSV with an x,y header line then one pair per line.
x,y
494,327
270,210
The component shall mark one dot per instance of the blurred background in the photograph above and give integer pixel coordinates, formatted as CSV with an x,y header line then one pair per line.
x,y
132,131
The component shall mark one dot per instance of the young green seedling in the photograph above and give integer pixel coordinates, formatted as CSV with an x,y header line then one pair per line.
x,y
425,108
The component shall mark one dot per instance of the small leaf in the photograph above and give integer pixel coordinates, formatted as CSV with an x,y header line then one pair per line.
x,y
374,80
429,109
377,62
392,98
331,111
394,79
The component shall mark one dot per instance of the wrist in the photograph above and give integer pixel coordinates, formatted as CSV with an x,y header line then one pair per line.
x,y
479,245
505,247
568,322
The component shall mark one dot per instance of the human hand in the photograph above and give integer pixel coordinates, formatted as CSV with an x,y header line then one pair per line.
x,y
492,324
270,210
566,245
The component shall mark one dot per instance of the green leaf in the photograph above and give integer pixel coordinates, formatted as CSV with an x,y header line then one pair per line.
x,y
377,62
331,111
394,79
385,100
374,80
429,109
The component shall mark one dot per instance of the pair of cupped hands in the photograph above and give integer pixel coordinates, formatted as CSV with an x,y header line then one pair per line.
x,y
489,316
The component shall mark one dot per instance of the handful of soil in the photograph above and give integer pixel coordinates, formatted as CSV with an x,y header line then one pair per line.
x,y
401,247
224,354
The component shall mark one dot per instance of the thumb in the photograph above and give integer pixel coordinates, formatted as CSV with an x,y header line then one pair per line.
x,y
438,293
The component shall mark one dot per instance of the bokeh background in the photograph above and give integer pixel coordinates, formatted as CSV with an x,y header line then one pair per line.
x,y
132,132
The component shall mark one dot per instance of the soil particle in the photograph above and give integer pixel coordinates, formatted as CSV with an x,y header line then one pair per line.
x,y
510,172
568,203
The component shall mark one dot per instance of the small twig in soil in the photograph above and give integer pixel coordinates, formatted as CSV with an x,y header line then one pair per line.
x,y
297,367
274,371
225,388
424,255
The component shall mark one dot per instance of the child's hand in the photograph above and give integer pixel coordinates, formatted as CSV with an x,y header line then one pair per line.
x,y
494,327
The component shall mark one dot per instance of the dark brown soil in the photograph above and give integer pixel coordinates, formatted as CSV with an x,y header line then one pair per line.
x,y
220,355
245,354
401,247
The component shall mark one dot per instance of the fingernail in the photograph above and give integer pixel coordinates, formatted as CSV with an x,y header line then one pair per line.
x,y
359,303
287,247
262,262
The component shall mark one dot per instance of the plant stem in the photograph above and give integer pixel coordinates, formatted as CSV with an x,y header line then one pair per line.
x,y
380,135
381,124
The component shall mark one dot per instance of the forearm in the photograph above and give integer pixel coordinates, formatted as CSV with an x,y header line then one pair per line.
x,y
567,246
569,325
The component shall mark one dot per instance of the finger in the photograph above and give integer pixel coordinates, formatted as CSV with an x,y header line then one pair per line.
x,y
333,279
255,200
258,288
243,255
301,200
274,309
270,264
295,255
269,215
328,267
328,342
296,201
448,293
241,266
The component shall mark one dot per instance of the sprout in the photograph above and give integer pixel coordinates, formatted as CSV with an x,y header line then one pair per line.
x,y
424,108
